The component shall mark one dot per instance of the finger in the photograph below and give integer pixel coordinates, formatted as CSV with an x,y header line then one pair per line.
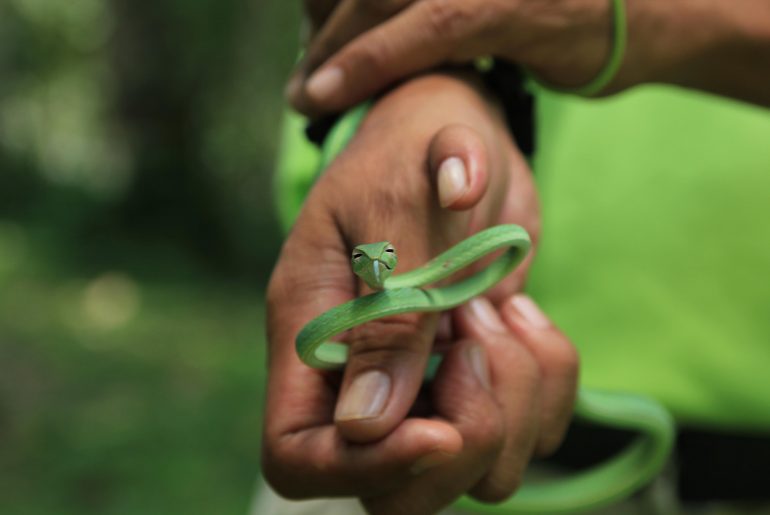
x,y
420,37
516,387
559,364
462,396
317,462
386,364
347,20
316,15
458,158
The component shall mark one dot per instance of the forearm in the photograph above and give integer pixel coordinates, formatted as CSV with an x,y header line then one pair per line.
x,y
717,46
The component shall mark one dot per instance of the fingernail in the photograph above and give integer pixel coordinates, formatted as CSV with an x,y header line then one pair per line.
x,y
478,361
324,83
365,397
431,460
294,87
530,312
452,181
483,311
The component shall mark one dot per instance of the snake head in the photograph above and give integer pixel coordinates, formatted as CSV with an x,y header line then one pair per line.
x,y
374,263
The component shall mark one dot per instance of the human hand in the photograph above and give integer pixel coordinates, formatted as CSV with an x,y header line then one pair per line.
x,y
385,186
359,47
507,386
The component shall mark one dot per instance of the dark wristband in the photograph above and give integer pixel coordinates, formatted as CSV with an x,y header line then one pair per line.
x,y
508,84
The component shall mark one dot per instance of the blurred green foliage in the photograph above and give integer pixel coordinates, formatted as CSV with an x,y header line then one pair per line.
x,y
137,144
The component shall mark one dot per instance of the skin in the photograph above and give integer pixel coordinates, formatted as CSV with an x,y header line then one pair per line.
x,y
710,45
478,426
374,262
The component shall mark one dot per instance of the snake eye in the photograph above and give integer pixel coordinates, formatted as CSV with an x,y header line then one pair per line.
x,y
391,250
357,255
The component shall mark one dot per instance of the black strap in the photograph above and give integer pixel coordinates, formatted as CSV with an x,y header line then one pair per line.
x,y
317,130
507,82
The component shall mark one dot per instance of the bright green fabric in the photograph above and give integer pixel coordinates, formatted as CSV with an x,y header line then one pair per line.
x,y
298,160
655,255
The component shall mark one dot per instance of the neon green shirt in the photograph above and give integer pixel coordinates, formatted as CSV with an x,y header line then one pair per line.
x,y
655,255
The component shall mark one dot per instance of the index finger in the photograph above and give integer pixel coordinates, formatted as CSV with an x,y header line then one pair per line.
x,y
420,37
344,23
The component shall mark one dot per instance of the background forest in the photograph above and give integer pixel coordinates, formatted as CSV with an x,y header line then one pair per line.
x,y
137,142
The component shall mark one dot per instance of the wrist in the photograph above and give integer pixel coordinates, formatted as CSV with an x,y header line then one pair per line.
x,y
675,42
660,37
572,44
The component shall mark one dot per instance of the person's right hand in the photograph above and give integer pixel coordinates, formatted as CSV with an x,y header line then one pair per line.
x,y
359,47
412,175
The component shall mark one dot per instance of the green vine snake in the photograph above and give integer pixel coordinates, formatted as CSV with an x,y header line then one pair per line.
x,y
602,485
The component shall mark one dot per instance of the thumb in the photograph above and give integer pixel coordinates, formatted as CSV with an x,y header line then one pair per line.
x,y
458,158
384,373
463,398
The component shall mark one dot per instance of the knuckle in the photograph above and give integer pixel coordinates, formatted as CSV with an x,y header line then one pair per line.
x,y
278,474
449,18
292,279
490,19
370,55
294,474
495,488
